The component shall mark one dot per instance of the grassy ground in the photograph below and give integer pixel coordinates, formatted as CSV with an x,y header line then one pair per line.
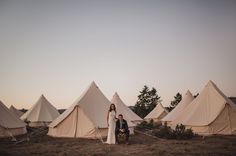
x,y
140,145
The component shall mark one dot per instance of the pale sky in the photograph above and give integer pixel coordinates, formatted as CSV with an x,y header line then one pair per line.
x,y
57,48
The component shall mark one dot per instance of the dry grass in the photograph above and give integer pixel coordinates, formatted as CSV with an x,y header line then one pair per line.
x,y
140,145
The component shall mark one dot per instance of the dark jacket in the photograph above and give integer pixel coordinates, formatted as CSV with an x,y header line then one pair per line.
x,y
124,125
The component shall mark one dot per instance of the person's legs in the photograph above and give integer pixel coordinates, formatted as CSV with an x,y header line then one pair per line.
x,y
127,135
116,134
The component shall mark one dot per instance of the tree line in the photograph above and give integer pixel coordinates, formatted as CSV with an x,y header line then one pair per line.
x,y
148,99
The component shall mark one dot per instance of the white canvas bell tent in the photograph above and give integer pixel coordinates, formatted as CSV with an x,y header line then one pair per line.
x,y
187,99
127,113
10,125
210,113
157,113
41,113
85,118
15,111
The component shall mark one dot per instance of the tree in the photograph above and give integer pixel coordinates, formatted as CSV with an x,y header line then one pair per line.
x,y
147,101
175,102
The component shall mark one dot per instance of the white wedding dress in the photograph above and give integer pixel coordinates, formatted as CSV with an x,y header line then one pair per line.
x,y
111,138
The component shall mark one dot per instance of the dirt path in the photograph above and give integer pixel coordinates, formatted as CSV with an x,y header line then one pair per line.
x,y
140,145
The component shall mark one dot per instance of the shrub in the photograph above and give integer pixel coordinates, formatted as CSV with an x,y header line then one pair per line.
x,y
157,125
145,125
189,134
163,132
180,132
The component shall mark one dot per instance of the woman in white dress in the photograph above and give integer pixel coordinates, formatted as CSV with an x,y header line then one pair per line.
x,y
111,122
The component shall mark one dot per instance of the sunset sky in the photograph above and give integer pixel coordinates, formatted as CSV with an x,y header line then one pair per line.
x,y
57,48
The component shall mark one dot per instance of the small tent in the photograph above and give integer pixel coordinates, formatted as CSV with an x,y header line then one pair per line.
x,y
85,118
15,111
10,125
127,113
187,99
210,113
41,113
157,113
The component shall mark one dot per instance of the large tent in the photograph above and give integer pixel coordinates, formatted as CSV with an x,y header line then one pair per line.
x,y
187,99
10,125
85,118
157,113
16,111
210,113
41,113
127,113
